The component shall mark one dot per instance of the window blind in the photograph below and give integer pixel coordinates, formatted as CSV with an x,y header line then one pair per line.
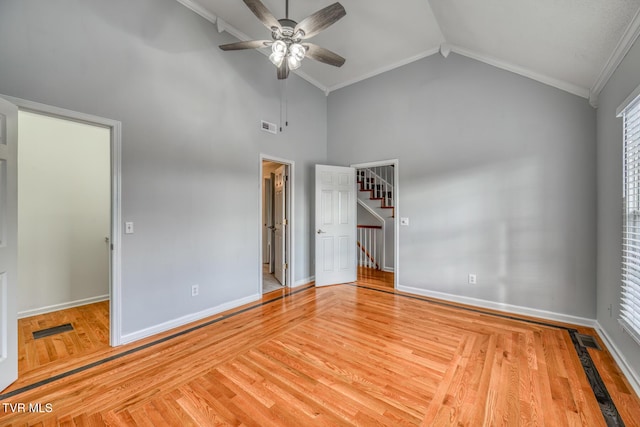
x,y
630,304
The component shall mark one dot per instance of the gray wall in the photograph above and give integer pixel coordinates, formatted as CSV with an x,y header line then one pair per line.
x,y
496,175
622,83
191,141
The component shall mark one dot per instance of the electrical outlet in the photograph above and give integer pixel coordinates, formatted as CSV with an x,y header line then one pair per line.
x,y
195,290
472,279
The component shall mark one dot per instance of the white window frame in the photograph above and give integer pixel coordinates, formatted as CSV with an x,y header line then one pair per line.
x,y
629,318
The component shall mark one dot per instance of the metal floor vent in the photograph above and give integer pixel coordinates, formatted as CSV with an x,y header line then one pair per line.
x,y
52,331
588,341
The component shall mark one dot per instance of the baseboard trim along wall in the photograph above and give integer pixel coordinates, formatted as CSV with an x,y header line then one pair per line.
x,y
509,308
305,281
62,306
181,321
629,373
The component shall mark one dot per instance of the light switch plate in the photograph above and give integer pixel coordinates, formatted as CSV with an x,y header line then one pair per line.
x,y
128,228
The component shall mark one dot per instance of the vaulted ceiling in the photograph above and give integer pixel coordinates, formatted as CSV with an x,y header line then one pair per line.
x,y
569,44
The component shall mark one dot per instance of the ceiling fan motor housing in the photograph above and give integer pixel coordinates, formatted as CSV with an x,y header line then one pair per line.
x,y
287,31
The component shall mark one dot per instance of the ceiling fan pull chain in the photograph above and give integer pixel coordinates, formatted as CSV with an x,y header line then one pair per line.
x,y
282,82
286,104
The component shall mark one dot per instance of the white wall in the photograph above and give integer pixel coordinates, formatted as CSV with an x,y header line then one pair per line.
x,y
63,212
609,261
497,177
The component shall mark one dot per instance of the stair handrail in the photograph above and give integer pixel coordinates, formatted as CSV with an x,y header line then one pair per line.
x,y
380,185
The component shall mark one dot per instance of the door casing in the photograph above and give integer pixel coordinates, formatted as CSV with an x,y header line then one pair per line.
x,y
115,127
289,208
396,201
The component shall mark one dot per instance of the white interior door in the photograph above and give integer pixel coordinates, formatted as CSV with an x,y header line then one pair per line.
x,y
8,243
280,224
335,225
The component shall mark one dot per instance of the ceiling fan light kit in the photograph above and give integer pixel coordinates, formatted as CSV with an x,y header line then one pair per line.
x,y
287,47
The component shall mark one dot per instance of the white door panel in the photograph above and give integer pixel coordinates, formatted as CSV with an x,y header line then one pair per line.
x,y
8,243
335,225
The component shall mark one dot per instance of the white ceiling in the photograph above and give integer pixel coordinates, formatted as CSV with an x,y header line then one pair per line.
x,y
569,44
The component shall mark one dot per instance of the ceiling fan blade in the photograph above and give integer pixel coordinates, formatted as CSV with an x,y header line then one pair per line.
x,y
283,71
323,55
313,24
263,14
252,44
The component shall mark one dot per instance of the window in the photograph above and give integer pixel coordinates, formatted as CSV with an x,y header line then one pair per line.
x,y
630,304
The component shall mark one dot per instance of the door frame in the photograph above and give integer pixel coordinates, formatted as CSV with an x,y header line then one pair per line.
x,y
396,222
289,212
115,130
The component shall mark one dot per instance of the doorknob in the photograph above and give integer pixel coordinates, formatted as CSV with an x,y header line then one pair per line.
x,y
321,232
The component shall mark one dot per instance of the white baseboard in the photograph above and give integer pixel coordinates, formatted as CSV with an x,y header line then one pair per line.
x,y
388,269
304,281
171,324
509,308
62,306
631,375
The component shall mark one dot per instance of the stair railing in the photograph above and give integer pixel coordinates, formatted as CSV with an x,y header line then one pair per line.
x,y
379,180
369,243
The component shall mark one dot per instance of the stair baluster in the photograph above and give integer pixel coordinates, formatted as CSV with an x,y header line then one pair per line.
x,y
368,237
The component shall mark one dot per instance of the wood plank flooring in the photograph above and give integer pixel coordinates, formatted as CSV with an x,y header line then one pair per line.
x,y
90,334
373,277
338,355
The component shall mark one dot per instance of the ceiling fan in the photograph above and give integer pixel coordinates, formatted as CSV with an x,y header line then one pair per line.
x,y
287,46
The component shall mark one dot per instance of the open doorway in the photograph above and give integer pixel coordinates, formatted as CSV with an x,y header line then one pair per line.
x,y
276,216
64,238
377,212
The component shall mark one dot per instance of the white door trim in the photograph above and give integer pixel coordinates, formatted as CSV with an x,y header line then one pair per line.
x,y
289,241
396,201
115,306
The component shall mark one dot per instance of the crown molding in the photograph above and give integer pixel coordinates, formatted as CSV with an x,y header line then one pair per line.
x,y
550,81
197,8
384,69
629,37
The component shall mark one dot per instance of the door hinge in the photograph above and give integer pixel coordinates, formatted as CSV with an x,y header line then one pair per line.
x,y
285,222
286,266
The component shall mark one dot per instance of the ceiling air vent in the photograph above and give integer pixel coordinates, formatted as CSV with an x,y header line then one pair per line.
x,y
268,127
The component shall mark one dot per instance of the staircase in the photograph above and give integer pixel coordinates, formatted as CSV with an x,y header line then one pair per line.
x,y
376,195
376,189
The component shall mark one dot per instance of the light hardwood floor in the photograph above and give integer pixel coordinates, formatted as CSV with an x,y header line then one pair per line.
x,y
371,276
338,355
90,335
